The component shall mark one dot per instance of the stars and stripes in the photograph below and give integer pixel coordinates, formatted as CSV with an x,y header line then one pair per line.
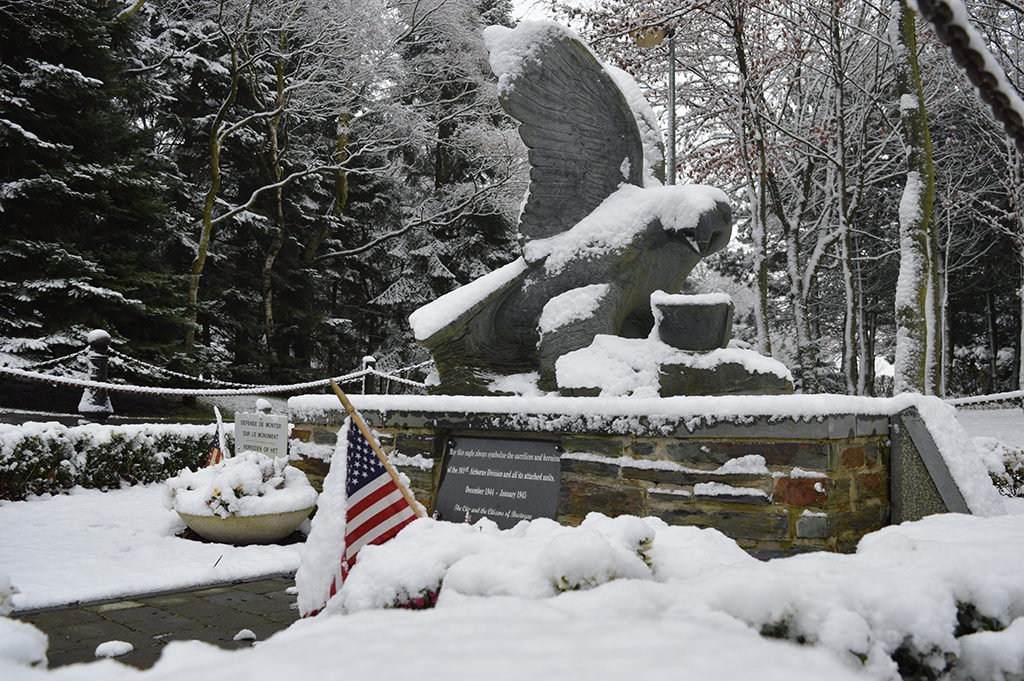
x,y
362,503
377,510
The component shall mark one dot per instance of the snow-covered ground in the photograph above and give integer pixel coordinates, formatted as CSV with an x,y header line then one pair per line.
x,y
1005,425
605,601
609,600
91,545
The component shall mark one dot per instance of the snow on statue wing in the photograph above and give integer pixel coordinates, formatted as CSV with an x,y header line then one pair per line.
x,y
582,138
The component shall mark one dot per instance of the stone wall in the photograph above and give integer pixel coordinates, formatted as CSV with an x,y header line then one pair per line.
x,y
818,485
810,495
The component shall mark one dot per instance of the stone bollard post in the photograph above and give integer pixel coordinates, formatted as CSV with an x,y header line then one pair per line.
x,y
369,382
95,404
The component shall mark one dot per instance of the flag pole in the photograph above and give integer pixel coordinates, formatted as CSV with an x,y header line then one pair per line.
x,y
358,420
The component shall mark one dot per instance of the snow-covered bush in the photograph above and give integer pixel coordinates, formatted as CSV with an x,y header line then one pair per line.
x,y
38,458
1005,465
249,484
912,603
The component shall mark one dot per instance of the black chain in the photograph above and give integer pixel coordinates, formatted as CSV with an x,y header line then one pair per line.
x,y
957,38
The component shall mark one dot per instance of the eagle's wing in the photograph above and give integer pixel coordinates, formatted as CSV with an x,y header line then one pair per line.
x,y
581,135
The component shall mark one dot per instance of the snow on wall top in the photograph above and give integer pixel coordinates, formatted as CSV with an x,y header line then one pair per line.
x,y
954,444
616,222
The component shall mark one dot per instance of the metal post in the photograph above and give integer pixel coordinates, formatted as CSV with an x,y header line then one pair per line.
x,y
648,37
671,105
369,362
95,404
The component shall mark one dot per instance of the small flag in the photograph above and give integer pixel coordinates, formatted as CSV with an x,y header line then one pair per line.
x,y
215,456
369,508
376,509
220,444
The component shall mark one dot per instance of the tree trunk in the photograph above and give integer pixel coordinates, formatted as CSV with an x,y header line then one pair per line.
x,y
1020,317
915,212
935,379
275,152
850,343
208,222
991,381
305,345
866,349
756,183
760,240
267,283
203,246
870,329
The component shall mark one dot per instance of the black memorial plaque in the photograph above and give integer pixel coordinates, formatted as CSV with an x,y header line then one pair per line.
x,y
504,480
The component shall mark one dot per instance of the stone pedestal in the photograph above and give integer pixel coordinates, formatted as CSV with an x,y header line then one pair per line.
x,y
95,404
693,323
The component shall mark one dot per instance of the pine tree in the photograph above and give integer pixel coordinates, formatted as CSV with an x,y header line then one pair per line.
x,y
83,222
470,145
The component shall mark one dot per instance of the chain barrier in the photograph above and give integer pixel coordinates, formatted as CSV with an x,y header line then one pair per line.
x,y
981,68
30,373
250,389
169,372
193,392
416,366
54,362
397,379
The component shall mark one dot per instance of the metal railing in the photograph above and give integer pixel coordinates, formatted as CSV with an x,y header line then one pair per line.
x,y
1012,398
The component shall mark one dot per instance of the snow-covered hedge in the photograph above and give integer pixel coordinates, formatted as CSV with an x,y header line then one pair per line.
x,y
37,458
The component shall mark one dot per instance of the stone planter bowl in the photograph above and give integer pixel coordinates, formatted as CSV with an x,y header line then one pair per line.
x,y
250,529
694,323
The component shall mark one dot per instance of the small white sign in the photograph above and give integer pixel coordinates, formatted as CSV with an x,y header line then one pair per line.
x,y
265,433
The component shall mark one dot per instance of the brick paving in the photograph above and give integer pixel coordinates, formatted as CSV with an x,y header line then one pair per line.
x,y
214,614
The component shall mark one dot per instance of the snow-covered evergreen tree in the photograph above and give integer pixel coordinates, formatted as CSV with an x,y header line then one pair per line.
x,y
84,237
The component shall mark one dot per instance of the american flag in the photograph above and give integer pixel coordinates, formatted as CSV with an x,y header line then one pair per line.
x,y
361,504
216,456
376,509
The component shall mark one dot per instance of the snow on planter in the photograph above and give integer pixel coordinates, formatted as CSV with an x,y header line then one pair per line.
x,y
245,485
